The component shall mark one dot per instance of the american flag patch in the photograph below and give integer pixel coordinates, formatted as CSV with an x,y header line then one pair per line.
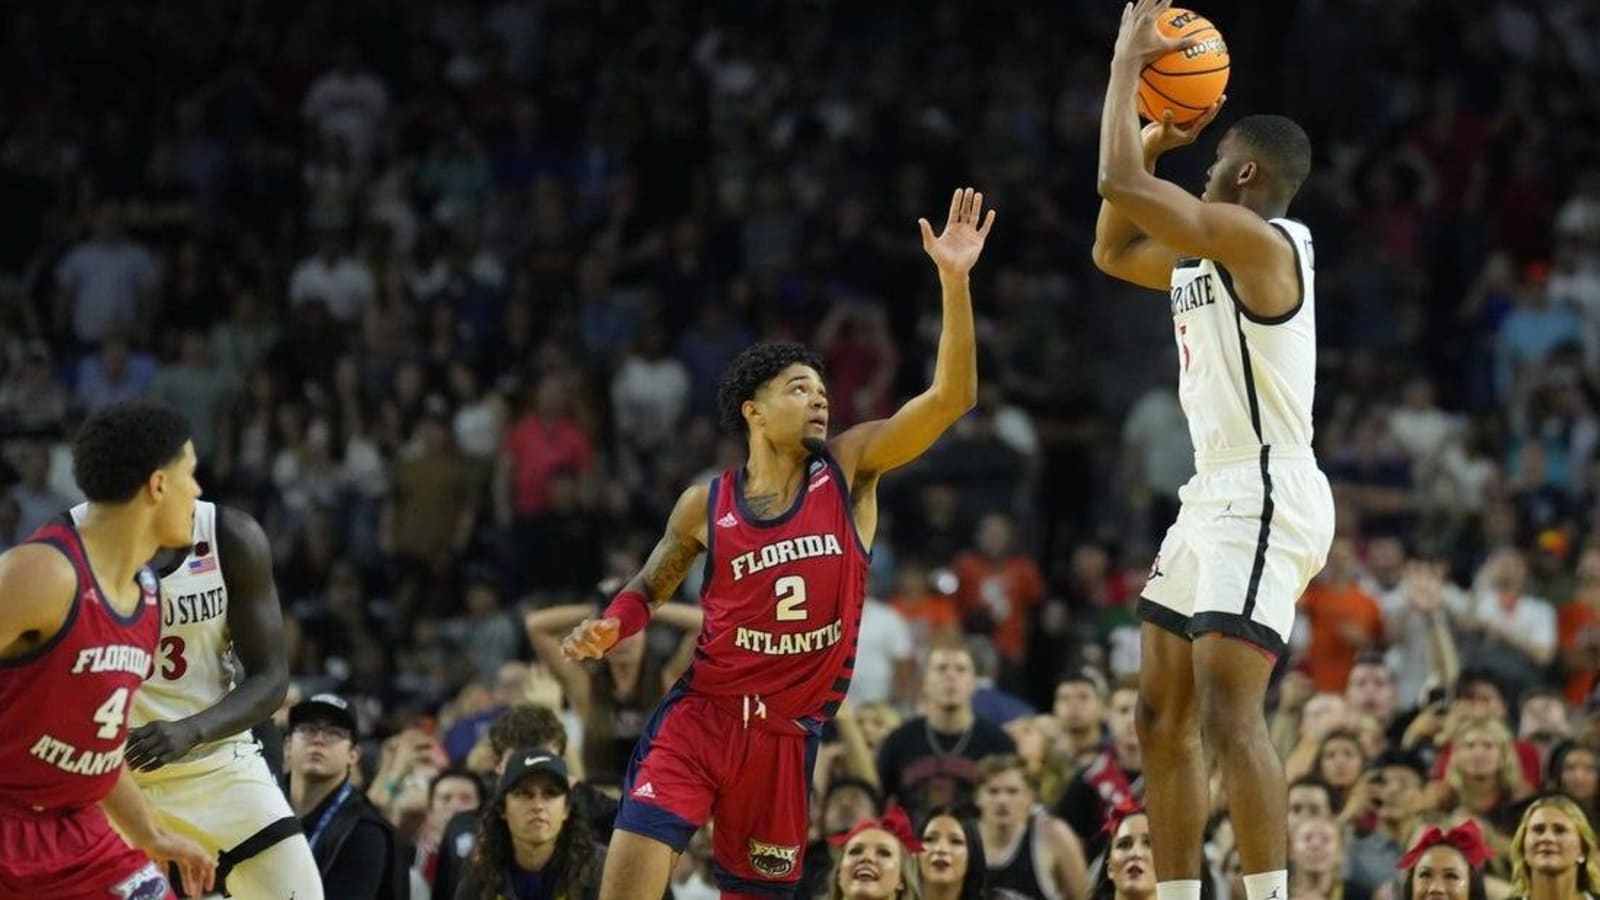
x,y
202,565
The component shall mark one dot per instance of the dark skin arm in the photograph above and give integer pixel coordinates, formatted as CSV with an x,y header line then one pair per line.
x,y
1174,221
668,565
255,622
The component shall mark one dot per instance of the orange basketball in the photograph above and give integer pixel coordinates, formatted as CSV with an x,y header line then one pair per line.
x,y
1185,81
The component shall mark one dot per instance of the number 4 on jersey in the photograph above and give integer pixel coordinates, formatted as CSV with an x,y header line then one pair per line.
x,y
112,714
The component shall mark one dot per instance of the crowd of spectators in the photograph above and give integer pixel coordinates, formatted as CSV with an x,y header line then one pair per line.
x,y
446,288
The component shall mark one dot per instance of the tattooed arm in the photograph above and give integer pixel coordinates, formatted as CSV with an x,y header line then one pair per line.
x,y
668,565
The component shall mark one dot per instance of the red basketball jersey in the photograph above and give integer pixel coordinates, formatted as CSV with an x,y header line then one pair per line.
x,y
64,707
782,598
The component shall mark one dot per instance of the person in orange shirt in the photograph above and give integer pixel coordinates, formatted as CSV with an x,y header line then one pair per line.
x,y
930,614
1578,627
998,585
1344,619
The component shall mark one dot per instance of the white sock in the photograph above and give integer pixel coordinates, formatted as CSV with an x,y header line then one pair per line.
x,y
1266,885
1178,890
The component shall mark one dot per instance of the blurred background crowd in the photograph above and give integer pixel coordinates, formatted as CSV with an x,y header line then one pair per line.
x,y
446,288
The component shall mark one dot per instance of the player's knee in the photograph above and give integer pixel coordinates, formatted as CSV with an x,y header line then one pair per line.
x,y
1229,719
1162,718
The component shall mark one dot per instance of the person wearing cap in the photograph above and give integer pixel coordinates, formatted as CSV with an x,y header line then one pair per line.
x,y
530,844
1390,796
355,849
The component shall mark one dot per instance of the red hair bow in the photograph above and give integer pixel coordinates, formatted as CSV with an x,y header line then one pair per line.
x,y
1465,837
894,820
1115,815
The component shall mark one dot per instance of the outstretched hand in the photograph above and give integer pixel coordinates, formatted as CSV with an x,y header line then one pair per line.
x,y
1139,41
957,249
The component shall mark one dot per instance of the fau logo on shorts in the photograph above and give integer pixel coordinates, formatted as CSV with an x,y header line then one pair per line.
x,y
773,860
145,884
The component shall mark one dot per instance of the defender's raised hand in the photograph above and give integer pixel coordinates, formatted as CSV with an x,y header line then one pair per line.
x,y
957,249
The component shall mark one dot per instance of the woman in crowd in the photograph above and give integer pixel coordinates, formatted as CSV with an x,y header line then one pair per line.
x,y
1129,871
530,845
1484,780
1340,760
1446,865
1574,770
615,698
952,859
875,861
1553,854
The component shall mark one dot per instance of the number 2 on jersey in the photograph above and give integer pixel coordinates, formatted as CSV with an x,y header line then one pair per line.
x,y
111,714
791,592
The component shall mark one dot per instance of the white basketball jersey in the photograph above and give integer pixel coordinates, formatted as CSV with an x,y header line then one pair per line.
x,y
194,661
1245,381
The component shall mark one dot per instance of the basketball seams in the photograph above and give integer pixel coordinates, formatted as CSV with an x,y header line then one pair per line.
x,y
1165,74
1169,98
1213,63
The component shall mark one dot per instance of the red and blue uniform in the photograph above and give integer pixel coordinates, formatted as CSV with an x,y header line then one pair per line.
x,y
63,724
736,738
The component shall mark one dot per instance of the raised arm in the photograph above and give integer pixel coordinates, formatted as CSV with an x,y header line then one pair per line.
x,y
1121,249
255,623
1251,249
872,448
668,565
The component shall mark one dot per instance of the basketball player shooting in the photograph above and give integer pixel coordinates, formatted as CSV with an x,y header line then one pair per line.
x,y
786,538
1256,521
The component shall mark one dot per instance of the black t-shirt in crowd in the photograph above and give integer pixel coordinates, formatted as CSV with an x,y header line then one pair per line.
x,y
923,768
1084,809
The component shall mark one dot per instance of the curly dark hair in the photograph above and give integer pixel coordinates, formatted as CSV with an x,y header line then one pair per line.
x,y
527,725
753,368
117,448
573,862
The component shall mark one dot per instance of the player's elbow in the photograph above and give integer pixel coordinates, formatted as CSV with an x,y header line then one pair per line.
x,y
1111,185
1104,256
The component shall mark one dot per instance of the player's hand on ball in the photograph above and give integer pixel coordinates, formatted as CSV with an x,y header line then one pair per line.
x,y
154,745
1139,40
1167,134
591,639
956,250
197,868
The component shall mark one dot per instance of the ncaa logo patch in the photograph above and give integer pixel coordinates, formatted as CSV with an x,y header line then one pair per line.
x,y
146,884
773,860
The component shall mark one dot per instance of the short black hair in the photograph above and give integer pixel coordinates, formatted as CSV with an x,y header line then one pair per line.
x,y
1313,780
1283,149
461,772
117,448
750,370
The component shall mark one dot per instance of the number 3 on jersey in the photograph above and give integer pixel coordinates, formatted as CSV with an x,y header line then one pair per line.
x,y
112,714
173,665
791,593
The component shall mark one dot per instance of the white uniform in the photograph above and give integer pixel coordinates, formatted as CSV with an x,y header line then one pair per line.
x,y
221,793
1256,520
